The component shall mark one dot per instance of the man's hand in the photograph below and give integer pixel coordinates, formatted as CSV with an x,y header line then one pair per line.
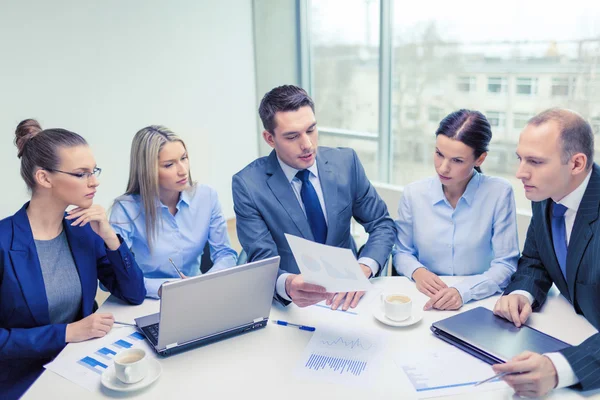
x,y
428,283
536,374
304,294
445,299
349,299
513,307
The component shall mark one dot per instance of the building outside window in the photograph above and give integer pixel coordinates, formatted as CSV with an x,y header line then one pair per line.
x,y
527,86
564,86
465,84
497,85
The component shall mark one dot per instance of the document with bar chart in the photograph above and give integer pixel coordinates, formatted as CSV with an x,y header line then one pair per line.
x,y
83,363
345,357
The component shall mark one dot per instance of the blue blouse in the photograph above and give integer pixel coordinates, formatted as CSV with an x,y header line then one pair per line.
x,y
478,238
181,237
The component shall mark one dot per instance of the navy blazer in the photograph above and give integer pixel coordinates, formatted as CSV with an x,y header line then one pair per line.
x,y
27,338
538,268
266,208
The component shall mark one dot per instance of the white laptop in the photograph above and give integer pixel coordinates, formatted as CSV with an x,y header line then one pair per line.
x,y
207,308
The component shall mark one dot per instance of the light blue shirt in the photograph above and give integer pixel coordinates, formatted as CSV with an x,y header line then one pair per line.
x,y
181,237
478,238
290,174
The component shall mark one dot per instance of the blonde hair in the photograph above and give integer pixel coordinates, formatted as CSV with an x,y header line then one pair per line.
x,y
143,171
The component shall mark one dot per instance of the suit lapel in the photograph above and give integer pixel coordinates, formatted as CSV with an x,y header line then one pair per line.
x,y
26,263
582,232
549,246
329,186
83,257
284,193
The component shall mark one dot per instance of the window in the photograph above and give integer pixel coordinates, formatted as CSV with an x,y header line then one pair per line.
x,y
411,113
497,119
497,85
440,63
466,84
563,86
527,86
435,114
595,123
520,120
345,75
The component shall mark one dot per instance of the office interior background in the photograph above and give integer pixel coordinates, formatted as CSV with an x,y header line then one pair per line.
x,y
383,73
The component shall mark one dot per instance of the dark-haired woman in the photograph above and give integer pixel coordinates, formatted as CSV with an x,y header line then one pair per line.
x,y
460,222
50,262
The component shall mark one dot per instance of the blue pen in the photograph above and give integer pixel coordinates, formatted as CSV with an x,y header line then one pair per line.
x,y
302,327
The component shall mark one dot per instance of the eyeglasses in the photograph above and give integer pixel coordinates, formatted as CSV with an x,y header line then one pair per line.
x,y
95,172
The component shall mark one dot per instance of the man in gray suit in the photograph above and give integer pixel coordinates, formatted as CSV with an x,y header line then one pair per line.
x,y
307,191
556,151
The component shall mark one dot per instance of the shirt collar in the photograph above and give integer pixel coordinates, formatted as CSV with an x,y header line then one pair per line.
x,y
290,173
185,197
573,199
437,194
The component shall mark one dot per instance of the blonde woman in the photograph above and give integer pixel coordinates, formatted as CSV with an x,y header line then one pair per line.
x,y
164,215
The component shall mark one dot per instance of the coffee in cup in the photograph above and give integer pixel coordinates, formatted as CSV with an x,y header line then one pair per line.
x,y
396,306
131,365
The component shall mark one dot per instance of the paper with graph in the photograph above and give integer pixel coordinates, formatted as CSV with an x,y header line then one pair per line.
x,y
86,361
342,356
334,268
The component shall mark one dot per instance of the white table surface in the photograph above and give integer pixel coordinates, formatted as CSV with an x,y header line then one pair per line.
x,y
260,364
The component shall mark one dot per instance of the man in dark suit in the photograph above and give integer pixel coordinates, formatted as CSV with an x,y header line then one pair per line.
x,y
556,151
307,191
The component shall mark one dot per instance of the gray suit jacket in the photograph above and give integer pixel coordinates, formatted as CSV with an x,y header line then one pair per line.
x,y
266,208
538,269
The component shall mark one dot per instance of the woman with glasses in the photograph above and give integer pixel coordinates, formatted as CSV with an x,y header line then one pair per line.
x,y
459,223
165,218
51,261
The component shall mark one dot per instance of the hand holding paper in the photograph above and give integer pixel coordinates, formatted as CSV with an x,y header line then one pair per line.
x,y
333,268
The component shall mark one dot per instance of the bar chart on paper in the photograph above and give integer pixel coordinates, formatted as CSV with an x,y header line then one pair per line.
x,y
342,357
86,365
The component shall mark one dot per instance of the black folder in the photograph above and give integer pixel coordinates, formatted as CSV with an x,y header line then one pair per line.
x,y
491,338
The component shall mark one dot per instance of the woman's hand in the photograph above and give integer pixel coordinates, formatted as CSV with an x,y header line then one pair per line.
x,y
96,217
93,326
428,283
445,299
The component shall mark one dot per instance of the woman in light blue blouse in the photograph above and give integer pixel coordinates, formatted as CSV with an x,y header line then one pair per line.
x,y
164,215
460,222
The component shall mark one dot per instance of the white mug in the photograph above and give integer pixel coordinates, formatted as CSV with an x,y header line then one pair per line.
x,y
131,365
396,306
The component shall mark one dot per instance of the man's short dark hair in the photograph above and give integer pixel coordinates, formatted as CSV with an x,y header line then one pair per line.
x,y
576,134
282,98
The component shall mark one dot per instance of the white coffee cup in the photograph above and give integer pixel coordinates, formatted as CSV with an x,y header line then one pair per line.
x,y
131,365
396,306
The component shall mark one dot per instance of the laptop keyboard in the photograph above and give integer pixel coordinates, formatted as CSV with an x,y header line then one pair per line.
x,y
151,332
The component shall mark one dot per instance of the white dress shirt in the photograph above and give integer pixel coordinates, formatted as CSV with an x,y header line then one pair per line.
x,y
565,374
290,174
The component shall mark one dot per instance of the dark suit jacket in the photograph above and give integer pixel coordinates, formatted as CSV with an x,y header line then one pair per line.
x,y
27,339
266,208
538,269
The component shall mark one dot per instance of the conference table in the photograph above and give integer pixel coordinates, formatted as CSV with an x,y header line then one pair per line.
x,y
261,364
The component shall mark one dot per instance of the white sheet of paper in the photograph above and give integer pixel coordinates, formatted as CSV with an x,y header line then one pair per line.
x,y
334,268
445,371
85,366
343,357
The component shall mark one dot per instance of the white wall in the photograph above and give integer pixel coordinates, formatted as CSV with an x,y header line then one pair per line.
x,y
105,69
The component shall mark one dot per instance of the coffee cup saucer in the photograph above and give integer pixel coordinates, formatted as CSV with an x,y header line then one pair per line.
x,y
110,380
379,314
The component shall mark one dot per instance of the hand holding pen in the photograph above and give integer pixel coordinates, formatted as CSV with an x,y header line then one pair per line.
x,y
177,269
181,275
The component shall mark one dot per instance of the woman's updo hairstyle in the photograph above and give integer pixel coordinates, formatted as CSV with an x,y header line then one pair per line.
x,y
39,148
